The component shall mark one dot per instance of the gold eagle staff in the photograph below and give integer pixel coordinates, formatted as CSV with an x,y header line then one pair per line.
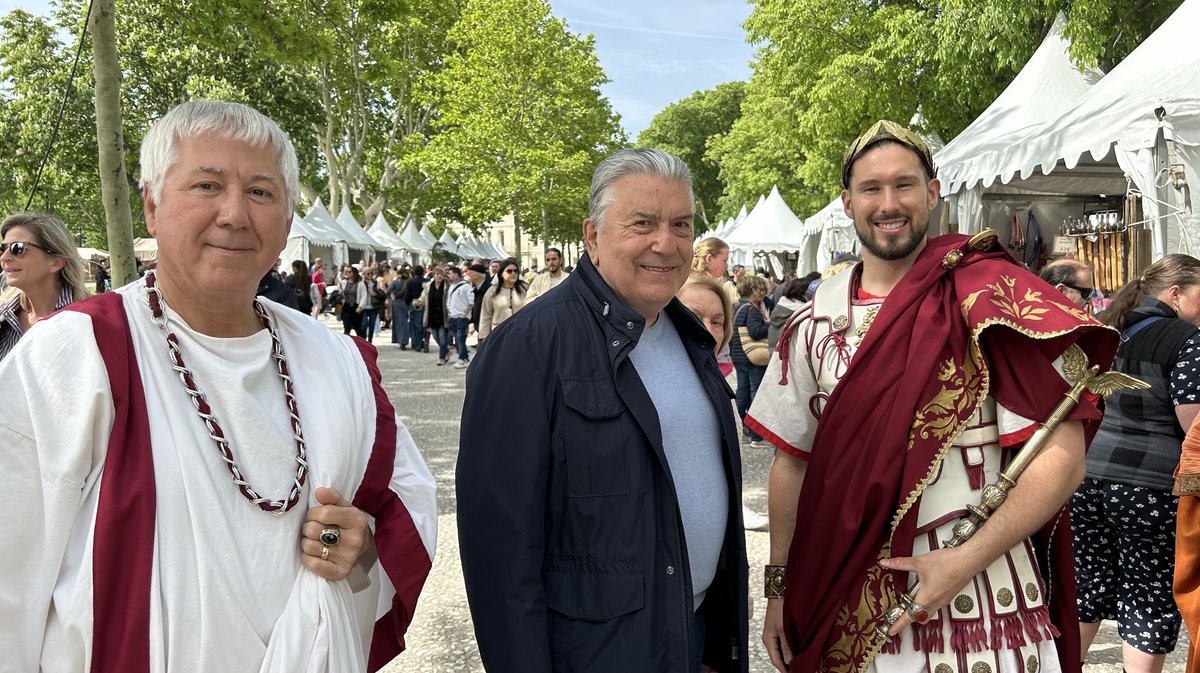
x,y
1075,366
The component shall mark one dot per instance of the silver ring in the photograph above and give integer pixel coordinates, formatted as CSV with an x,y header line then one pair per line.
x,y
331,535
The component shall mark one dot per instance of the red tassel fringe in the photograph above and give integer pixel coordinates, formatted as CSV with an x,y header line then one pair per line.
x,y
929,638
968,636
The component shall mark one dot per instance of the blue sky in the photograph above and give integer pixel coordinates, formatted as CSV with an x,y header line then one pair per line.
x,y
659,51
654,51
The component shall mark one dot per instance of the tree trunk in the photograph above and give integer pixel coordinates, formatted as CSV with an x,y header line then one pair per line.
x,y
517,230
546,218
114,184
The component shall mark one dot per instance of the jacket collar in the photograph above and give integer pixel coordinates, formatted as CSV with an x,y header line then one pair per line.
x,y
618,316
1149,308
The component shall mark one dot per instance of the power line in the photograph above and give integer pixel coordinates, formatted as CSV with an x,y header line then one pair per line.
x,y
37,178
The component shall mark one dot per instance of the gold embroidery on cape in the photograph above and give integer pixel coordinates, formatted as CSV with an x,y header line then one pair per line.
x,y
940,417
855,631
1005,297
964,603
973,378
969,303
1070,309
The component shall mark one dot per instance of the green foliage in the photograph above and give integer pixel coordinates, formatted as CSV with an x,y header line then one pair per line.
x,y
684,128
826,69
522,122
164,61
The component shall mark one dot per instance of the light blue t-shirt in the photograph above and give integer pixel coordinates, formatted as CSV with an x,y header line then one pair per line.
x,y
691,437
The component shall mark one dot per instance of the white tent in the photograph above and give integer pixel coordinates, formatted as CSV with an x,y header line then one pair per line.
x,y
412,239
448,243
322,223
427,236
306,244
770,227
1048,85
467,248
1142,120
497,251
356,234
145,249
826,233
381,231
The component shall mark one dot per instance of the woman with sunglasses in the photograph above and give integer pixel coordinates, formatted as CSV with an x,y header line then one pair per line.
x,y
42,269
1123,515
503,298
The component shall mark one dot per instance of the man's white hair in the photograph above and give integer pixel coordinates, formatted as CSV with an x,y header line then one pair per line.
x,y
226,120
635,161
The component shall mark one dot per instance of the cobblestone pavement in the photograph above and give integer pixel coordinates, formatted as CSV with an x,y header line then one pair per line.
x,y
429,400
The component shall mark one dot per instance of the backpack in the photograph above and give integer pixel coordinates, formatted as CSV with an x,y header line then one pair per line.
x,y
303,301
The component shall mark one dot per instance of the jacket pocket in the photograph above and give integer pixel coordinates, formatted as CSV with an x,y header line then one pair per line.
x,y
604,454
591,597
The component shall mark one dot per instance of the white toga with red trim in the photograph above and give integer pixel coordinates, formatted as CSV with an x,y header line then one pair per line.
x,y
228,591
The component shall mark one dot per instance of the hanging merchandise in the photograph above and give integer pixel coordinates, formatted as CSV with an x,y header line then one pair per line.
x,y
1035,245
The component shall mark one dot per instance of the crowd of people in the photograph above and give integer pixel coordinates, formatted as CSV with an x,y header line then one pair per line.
x,y
196,499
449,303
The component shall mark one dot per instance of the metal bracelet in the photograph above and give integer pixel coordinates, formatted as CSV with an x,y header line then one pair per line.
x,y
773,583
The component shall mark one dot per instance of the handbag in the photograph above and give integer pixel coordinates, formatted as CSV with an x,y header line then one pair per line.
x,y
757,351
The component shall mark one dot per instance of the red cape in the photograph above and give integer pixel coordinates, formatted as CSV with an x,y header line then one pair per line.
x,y
963,324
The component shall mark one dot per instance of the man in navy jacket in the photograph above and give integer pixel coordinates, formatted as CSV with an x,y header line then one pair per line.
x,y
599,483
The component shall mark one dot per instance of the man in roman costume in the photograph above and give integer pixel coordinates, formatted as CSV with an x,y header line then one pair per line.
x,y
894,398
189,492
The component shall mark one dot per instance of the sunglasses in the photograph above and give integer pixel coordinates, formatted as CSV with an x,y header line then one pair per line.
x,y
18,248
1087,292
510,271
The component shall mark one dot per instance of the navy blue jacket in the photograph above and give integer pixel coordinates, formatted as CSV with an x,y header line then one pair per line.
x,y
569,526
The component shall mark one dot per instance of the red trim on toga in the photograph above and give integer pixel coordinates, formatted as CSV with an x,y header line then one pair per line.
x,y
126,510
401,551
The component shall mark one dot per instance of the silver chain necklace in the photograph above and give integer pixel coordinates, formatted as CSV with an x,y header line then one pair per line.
x,y
276,507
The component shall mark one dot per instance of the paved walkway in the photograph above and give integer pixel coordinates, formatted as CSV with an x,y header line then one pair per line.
x,y
429,400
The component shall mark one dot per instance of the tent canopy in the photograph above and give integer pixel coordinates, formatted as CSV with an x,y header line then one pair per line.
x,y
447,242
427,236
321,222
1163,72
412,239
355,232
381,231
1124,125
770,227
145,249
1048,85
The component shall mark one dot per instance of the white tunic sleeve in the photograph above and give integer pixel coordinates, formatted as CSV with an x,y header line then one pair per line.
x,y
54,428
785,409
